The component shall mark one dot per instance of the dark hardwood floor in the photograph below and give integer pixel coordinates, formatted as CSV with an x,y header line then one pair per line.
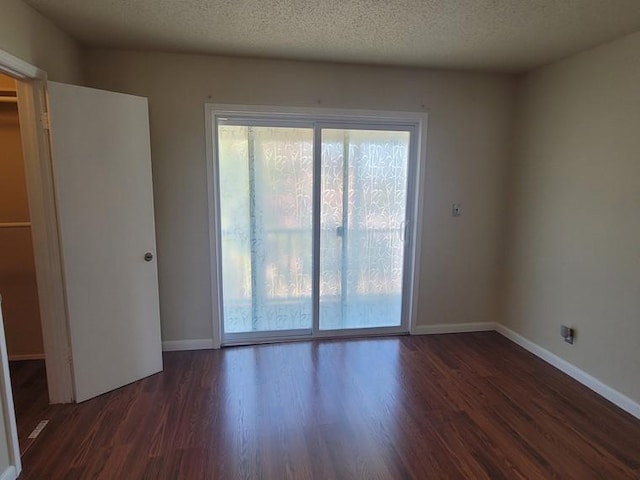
x,y
30,396
447,406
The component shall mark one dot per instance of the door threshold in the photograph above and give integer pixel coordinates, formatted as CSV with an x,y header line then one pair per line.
x,y
306,338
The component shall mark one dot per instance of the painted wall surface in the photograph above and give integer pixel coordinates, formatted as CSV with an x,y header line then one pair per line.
x,y
574,226
468,145
33,38
17,270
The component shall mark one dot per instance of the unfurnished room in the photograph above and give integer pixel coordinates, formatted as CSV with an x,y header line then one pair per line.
x,y
319,239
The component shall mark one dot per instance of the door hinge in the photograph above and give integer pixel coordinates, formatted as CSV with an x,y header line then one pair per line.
x,y
45,120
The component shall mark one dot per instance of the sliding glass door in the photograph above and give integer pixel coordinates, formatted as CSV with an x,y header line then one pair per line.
x,y
266,190
313,226
362,227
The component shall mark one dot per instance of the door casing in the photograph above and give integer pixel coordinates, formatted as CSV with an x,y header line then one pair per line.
x,y
33,111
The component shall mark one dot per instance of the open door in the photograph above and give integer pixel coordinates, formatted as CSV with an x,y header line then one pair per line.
x,y
102,175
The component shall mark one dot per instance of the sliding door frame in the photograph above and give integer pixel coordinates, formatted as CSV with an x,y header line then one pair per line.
x,y
319,119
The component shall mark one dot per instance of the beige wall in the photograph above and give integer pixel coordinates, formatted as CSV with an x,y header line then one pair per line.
x,y
575,222
31,37
469,132
17,270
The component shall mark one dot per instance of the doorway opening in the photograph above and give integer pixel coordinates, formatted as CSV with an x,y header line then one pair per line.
x,y
103,305
24,95
18,285
316,217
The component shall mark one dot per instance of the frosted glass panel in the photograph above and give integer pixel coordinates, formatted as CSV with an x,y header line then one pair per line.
x,y
266,188
363,212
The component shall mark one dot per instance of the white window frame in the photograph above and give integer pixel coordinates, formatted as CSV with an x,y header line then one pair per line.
x,y
320,118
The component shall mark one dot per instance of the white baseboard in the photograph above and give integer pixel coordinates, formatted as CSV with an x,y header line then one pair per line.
x,y
9,473
452,328
614,396
581,376
180,345
26,356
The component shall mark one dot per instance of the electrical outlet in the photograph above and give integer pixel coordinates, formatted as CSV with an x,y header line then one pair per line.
x,y
456,210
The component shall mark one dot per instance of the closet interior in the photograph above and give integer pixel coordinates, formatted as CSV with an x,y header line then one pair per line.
x,y
18,286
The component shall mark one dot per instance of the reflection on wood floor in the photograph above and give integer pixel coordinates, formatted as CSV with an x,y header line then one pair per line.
x,y
30,396
429,407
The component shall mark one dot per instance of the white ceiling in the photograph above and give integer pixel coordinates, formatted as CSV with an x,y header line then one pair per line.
x,y
497,35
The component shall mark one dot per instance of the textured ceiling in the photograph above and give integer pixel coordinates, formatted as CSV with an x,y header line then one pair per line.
x,y
497,35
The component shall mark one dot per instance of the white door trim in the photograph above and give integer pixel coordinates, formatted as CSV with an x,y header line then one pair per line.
x,y
214,223
324,115
32,104
8,409
18,68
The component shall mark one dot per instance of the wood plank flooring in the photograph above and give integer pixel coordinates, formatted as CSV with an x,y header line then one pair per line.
x,y
447,406
30,396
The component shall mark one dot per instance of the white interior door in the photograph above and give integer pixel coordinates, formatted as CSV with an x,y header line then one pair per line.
x,y
102,174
